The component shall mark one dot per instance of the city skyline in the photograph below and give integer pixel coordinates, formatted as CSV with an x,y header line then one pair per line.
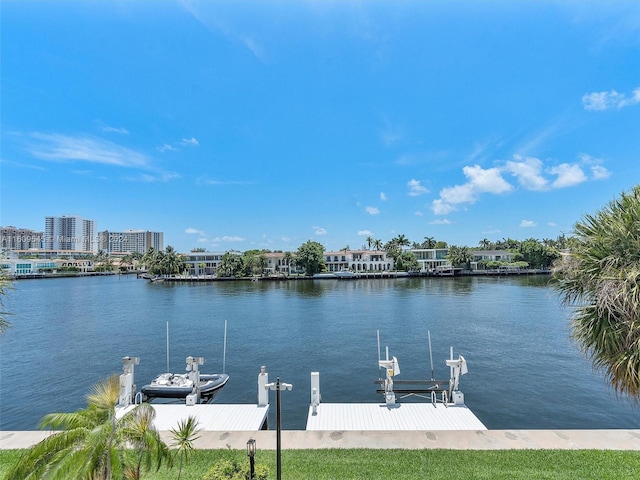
x,y
252,125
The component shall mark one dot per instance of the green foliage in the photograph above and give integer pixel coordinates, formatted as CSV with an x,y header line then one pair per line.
x,y
232,470
460,257
231,265
183,437
91,442
310,257
601,279
407,262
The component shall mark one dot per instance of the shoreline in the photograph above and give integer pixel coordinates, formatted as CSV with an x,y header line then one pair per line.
x,y
322,276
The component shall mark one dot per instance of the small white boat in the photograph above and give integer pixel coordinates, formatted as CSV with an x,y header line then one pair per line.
x,y
202,387
346,274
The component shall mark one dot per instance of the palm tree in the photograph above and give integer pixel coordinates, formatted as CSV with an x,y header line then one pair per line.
x,y
369,241
601,279
183,437
402,241
91,442
377,244
429,242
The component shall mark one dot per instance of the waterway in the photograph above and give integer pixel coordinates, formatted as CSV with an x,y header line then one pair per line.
x,y
524,370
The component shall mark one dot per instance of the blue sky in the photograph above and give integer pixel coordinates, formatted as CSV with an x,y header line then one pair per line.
x,y
264,124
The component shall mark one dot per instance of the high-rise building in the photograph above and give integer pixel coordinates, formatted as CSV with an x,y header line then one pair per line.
x,y
12,238
130,241
70,232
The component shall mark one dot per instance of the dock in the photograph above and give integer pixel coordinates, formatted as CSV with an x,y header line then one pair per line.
x,y
209,417
380,417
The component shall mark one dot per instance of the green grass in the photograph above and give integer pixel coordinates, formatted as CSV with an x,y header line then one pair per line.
x,y
413,464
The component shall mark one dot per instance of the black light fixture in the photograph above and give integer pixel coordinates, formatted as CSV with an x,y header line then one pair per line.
x,y
278,387
251,453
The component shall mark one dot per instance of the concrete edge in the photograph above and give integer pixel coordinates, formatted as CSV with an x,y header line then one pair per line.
x,y
621,439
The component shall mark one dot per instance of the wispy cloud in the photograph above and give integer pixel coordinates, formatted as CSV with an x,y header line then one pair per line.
x,y
213,19
228,238
108,129
167,147
416,188
528,224
319,231
194,231
599,101
211,181
371,210
190,141
364,233
383,196
82,148
443,221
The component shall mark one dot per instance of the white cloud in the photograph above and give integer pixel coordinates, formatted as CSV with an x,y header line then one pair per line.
x,y
443,221
599,172
480,180
372,210
528,224
418,213
568,175
439,207
415,188
486,180
599,101
383,196
319,230
194,231
190,141
528,172
364,233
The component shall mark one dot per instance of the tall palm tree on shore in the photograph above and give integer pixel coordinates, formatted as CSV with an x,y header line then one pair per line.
x,y
600,278
91,442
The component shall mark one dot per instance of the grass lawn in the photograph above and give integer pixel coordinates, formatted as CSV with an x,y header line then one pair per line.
x,y
412,464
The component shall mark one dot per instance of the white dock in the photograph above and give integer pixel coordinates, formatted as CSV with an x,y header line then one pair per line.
x,y
210,417
403,416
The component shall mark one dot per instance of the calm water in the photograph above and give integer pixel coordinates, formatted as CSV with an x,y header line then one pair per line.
x,y
524,371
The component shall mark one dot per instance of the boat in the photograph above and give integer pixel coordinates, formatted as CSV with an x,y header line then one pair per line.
x,y
346,274
193,386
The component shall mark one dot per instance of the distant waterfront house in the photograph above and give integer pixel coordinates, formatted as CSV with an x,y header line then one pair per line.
x,y
202,263
17,267
431,259
482,257
358,261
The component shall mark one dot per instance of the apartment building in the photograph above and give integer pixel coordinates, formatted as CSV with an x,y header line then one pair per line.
x,y
12,238
70,232
130,241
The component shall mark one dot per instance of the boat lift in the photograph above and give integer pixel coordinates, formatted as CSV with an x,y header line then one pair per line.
x,y
447,390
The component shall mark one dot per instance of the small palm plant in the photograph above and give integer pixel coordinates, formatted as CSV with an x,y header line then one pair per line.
x,y
91,442
183,437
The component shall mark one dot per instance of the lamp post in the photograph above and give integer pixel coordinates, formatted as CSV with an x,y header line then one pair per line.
x,y
277,386
251,453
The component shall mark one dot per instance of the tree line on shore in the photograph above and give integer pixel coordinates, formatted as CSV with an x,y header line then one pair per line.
x,y
309,257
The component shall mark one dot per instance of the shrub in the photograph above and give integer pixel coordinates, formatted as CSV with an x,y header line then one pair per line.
x,y
231,470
